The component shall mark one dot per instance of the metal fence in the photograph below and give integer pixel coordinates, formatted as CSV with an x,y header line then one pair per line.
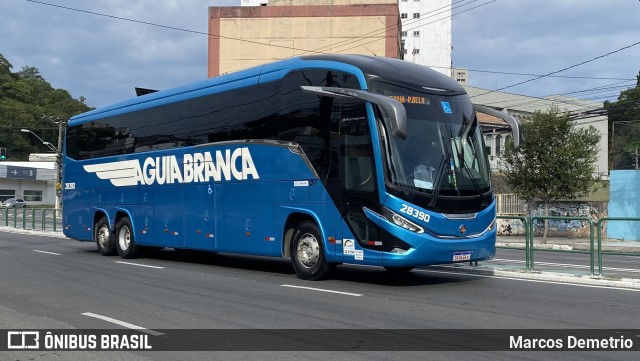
x,y
509,204
595,239
37,219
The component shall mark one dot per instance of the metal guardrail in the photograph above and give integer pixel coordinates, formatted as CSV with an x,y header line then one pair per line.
x,y
583,219
528,244
595,250
48,218
599,234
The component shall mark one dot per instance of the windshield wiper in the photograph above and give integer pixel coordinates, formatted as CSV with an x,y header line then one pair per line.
x,y
436,184
446,155
461,160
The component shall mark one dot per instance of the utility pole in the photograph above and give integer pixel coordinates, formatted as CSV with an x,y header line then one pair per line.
x,y
59,167
637,156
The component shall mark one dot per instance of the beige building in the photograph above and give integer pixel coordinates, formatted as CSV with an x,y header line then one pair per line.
x,y
246,36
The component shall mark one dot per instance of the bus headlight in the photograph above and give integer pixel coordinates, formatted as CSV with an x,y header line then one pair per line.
x,y
399,220
492,225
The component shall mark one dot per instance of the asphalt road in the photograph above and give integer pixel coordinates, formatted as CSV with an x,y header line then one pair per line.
x,y
60,283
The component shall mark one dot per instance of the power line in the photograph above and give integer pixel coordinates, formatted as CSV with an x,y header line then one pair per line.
x,y
529,74
539,100
563,69
392,27
446,17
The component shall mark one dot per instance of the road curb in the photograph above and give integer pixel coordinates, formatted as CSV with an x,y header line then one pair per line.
x,y
56,234
548,276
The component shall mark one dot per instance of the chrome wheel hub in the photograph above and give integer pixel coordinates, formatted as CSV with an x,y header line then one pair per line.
x,y
308,250
124,238
103,236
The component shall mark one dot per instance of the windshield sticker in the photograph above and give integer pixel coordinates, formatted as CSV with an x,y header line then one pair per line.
x,y
446,107
410,99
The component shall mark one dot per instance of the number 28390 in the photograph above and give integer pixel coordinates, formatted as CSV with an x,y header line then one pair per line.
x,y
415,213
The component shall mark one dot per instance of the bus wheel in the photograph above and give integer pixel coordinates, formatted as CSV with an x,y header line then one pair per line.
x,y
125,244
104,238
307,253
398,270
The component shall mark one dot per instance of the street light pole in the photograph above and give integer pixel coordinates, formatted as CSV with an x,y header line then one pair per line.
x,y
58,158
59,166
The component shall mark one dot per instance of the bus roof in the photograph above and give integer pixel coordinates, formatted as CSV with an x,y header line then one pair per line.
x,y
400,72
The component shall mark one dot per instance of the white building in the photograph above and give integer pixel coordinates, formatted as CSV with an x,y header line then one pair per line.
x,y
522,107
426,33
32,181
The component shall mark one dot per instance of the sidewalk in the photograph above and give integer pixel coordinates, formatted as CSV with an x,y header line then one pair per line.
x,y
578,244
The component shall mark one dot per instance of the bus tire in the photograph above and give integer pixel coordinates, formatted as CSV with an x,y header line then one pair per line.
x,y
307,253
104,238
125,243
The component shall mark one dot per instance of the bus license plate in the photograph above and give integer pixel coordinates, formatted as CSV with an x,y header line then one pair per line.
x,y
461,256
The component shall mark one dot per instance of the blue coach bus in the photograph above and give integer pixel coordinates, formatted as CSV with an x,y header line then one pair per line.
x,y
322,160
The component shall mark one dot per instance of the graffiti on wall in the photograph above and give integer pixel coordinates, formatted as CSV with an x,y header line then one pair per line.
x,y
567,228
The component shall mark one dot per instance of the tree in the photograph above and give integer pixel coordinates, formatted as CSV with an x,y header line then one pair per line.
x,y
28,101
625,112
556,160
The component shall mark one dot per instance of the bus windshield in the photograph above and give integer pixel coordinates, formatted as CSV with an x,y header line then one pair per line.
x,y
443,152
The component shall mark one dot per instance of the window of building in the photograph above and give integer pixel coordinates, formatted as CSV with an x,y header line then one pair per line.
x,y
416,15
416,51
416,33
403,16
403,33
404,51
6,194
33,196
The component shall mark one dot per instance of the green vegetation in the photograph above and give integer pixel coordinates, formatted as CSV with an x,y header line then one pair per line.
x,y
556,160
28,101
625,112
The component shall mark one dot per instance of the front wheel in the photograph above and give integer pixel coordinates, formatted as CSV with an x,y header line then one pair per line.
x,y
307,253
125,243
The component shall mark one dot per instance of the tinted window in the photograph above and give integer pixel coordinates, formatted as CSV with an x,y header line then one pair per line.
x,y
276,110
247,113
313,121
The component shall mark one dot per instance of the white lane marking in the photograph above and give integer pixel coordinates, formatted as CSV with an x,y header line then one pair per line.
x,y
123,324
138,264
530,280
324,290
565,265
53,253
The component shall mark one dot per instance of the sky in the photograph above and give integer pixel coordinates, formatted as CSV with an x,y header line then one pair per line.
x,y
104,58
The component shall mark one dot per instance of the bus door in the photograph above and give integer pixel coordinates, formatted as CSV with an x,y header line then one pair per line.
x,y
359,190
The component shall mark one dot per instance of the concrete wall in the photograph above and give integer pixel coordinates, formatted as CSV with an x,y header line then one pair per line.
x,y
624,201
279,32
562,228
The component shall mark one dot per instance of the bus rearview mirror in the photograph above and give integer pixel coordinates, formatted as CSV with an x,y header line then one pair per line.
x,y
392,110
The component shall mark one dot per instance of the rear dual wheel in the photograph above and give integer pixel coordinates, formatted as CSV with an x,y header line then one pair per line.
x,y
125,243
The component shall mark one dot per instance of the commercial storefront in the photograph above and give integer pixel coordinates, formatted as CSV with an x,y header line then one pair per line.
x,y
32,181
